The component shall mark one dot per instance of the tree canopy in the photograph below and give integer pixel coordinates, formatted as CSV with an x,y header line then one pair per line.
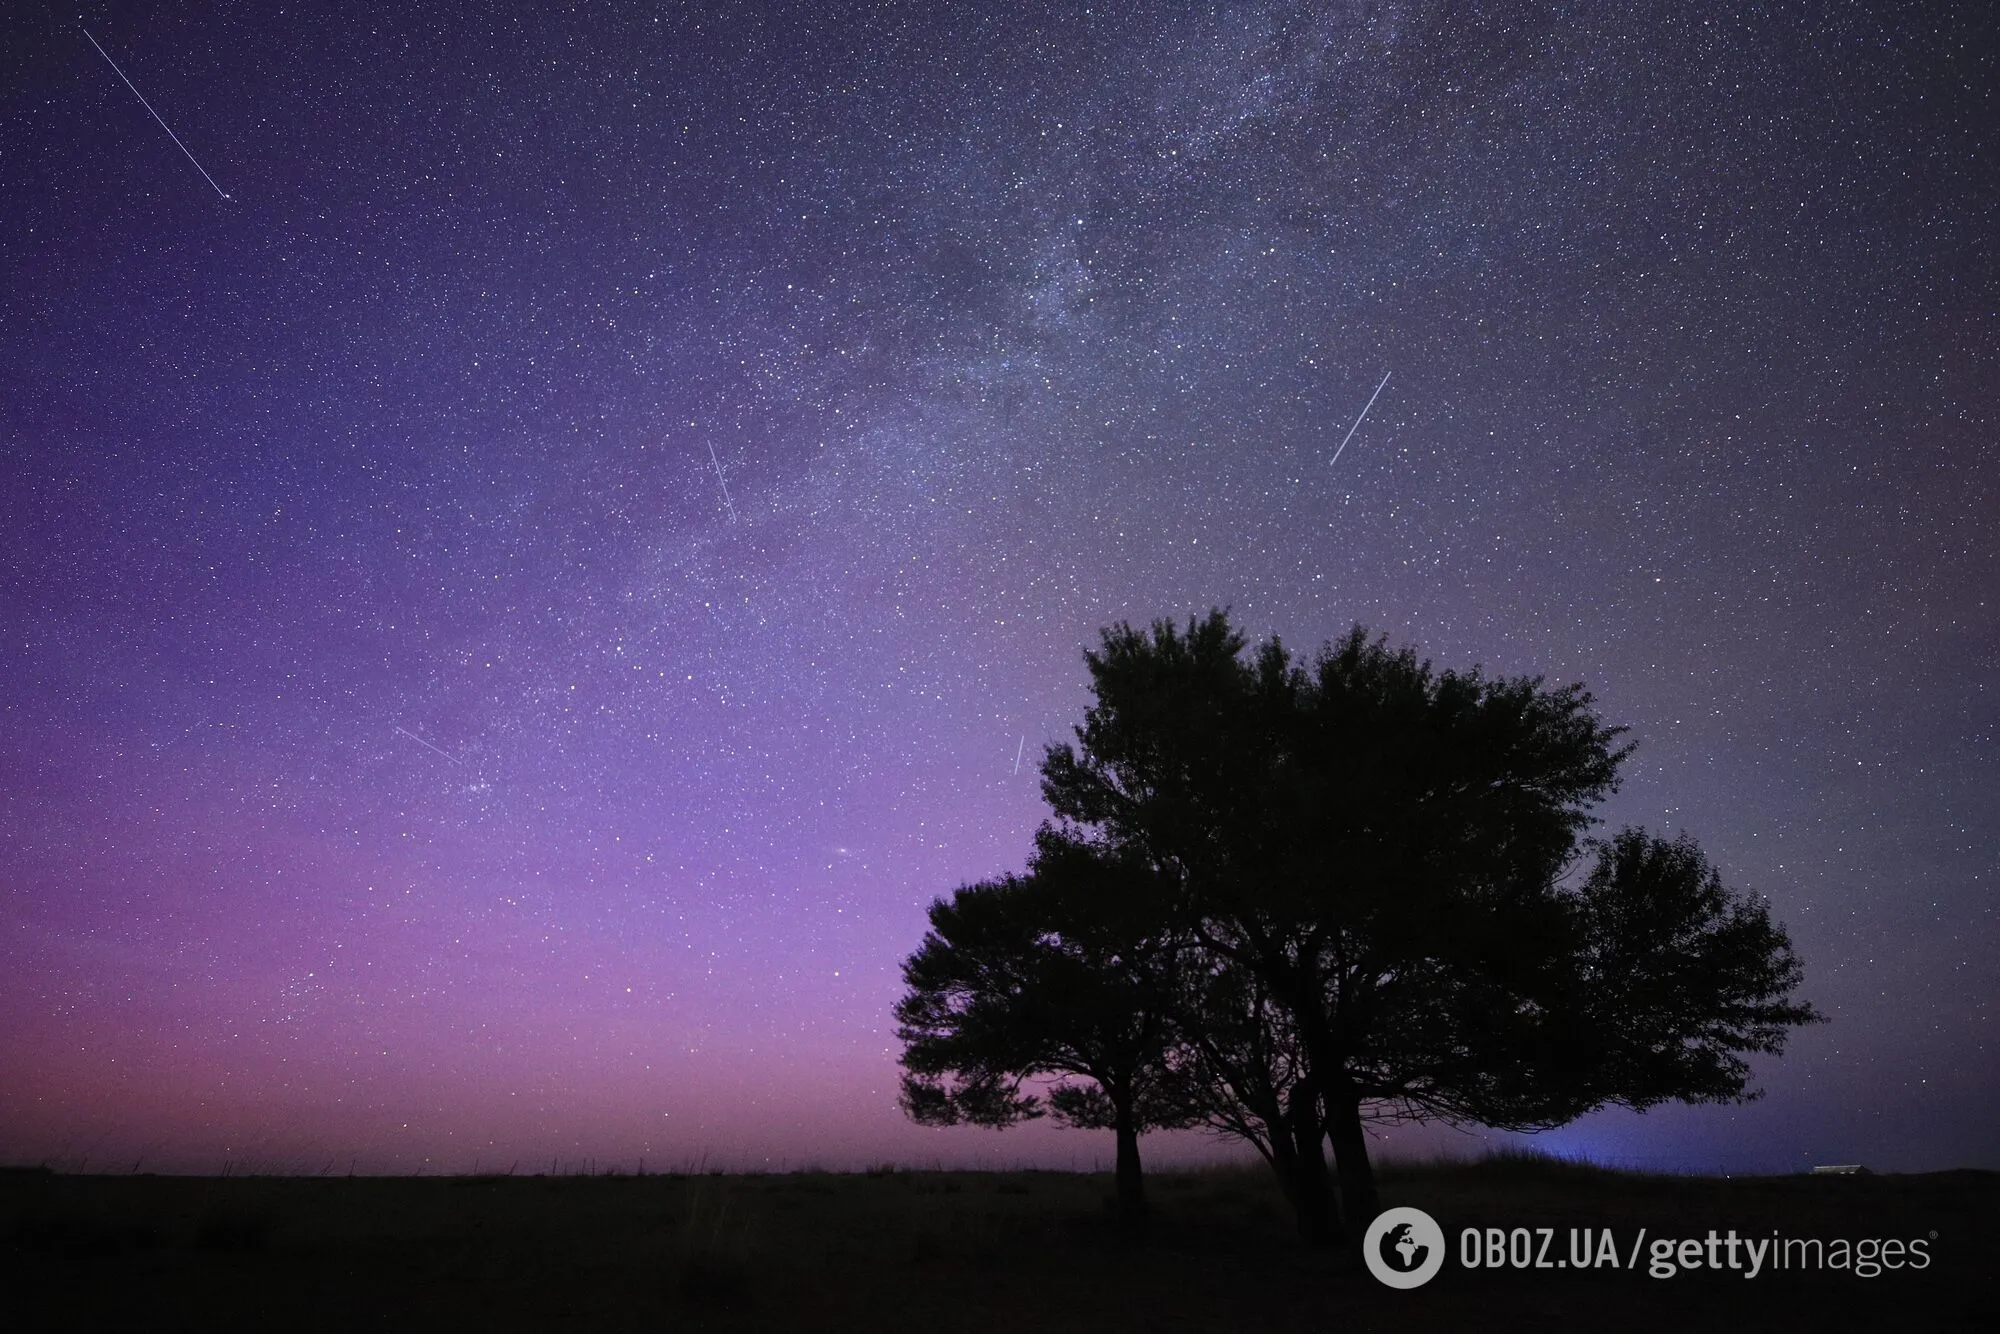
x,y
1306,894
1063,972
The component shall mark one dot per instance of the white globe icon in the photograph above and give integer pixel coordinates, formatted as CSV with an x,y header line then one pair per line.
x,y
1404,1247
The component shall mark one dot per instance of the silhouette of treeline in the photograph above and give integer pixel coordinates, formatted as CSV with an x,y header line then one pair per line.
x,y
1283,899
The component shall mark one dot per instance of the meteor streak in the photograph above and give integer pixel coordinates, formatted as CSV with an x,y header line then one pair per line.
x,y
1358,420
154,114
724,483
425,744
1017,754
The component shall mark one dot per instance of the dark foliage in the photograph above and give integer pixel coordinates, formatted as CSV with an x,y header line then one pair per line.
x,y
1283,898
1061,972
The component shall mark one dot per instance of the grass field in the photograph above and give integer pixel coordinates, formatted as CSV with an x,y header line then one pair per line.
x,y
946,1251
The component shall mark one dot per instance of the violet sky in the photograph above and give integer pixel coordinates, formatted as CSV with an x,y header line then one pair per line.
x,y
408,758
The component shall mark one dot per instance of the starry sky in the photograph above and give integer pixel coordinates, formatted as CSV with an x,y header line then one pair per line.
x,y
508,618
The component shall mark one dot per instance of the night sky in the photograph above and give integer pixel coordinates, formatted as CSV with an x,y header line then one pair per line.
x,y
508,619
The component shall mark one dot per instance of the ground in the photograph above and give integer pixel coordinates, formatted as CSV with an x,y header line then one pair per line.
x,y
952,1251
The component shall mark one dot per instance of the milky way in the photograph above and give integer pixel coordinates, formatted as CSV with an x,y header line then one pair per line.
x,y
509,621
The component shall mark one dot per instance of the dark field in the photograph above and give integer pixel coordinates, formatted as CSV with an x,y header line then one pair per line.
x,y
942,1251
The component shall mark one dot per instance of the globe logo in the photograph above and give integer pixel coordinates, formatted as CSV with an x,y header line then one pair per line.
x,y
1404,1247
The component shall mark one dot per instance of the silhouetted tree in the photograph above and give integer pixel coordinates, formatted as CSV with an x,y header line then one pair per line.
x,y
1366,861
1669,976
1058,972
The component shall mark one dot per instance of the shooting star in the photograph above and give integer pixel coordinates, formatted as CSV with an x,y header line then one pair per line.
x,y
425,744
1017,754
154,114
719,478
1358,420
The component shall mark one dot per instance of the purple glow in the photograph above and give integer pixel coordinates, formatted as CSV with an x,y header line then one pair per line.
x,y
411,756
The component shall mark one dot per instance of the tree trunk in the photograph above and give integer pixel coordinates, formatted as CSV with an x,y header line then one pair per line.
x,y
1131,1185
1284,1160
1311,1188
1358,1201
